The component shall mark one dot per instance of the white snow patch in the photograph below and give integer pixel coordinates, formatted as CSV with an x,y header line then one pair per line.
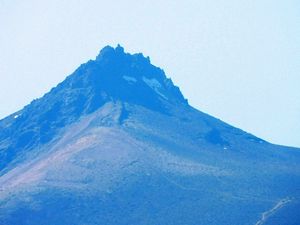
x,y
155,85
129,79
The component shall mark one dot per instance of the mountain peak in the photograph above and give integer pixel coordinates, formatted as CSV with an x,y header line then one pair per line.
x,y
114,76
110,51
126,77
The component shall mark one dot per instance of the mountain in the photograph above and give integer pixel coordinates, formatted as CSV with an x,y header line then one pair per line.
x,y
117,143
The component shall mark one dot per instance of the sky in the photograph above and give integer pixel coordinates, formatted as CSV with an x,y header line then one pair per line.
x,y
236,60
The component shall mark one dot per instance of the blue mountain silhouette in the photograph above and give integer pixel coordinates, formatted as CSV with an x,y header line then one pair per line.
x,y
117,143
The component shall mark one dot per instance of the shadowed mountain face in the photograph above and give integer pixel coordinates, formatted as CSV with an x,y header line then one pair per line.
x,y
117,143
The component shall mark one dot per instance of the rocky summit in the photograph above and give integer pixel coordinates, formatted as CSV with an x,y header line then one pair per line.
x,y
117,143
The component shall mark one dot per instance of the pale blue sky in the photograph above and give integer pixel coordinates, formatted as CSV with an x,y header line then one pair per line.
x,y
236,60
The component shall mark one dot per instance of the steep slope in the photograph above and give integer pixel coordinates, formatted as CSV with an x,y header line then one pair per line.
x,y
117,143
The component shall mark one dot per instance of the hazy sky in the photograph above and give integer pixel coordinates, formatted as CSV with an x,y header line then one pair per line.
x,y
236,60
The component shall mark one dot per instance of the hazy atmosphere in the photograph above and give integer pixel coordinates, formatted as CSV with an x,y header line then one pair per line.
x,y
236,60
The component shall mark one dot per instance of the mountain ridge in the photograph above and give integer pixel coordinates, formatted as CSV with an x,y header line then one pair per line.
x,y
113,76
117,143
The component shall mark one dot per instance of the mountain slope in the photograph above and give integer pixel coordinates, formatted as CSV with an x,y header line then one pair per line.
x,y
117,143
